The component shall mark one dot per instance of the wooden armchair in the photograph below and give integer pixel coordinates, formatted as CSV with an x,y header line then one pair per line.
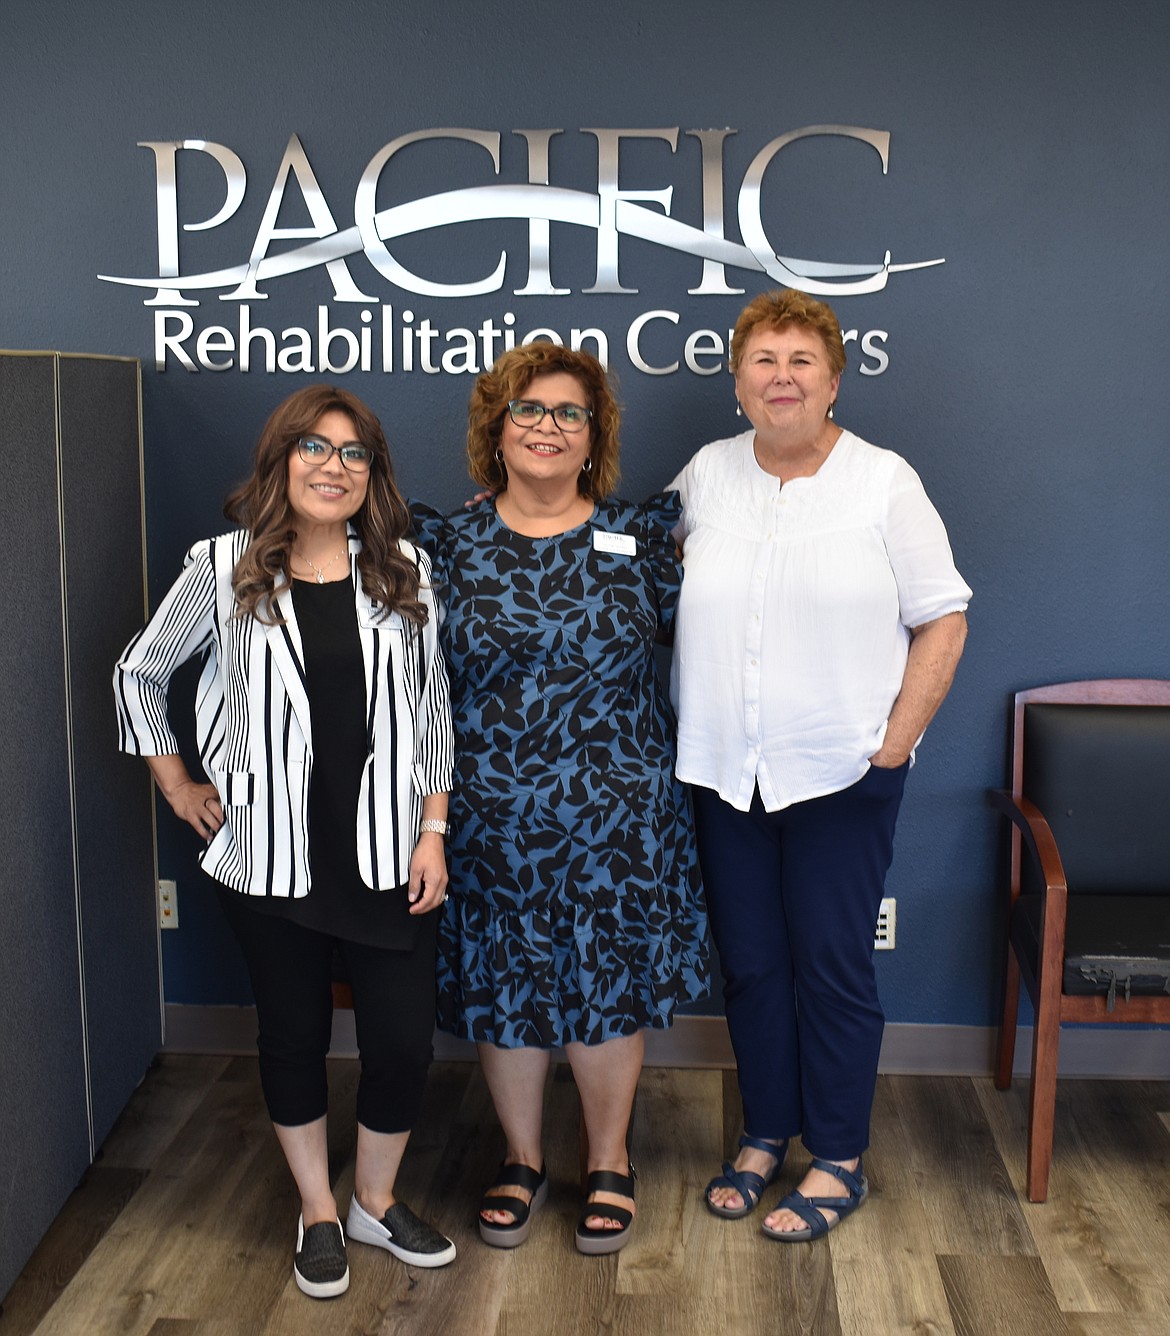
x,y
1089,912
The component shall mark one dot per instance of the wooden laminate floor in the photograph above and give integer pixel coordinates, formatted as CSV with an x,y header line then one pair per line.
x,y
185,1226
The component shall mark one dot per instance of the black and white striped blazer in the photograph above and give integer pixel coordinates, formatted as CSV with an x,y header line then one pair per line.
x,y
253,726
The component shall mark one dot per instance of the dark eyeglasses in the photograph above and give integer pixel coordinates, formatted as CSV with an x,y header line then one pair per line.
x,y
528,413
354,456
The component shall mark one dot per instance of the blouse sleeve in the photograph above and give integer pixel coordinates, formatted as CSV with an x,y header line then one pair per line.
x,y
660,517
432,533
183,627
929,586
680,487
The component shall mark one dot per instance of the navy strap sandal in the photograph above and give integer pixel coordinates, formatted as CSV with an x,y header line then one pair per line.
x,y
749,1185
809,1208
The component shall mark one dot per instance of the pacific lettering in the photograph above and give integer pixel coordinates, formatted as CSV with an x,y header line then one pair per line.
x,y
611,210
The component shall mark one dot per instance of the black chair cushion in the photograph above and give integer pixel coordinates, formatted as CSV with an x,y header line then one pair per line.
x,y
1101,776
1113,943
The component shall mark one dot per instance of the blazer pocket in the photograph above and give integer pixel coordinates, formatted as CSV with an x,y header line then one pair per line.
x,y
237,788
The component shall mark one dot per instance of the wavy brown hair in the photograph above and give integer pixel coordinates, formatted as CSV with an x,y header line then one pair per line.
x,y
509,379
261,506
787,306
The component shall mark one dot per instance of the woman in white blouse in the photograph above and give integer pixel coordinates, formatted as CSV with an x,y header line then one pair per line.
x,y
820,625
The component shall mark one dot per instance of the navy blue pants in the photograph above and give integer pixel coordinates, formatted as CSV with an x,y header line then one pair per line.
x,y
793,899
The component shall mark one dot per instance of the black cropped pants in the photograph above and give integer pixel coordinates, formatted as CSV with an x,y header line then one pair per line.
x,y
291,968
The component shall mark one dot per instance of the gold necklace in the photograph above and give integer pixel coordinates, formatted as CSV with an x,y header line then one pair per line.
x,y
320,570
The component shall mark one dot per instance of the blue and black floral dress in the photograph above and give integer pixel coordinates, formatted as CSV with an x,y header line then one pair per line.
x,y
575,910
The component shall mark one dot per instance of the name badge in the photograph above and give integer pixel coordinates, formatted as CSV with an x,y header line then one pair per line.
x,y
624,544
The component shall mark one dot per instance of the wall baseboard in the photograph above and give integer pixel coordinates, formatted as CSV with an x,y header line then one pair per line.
x,y
702,1041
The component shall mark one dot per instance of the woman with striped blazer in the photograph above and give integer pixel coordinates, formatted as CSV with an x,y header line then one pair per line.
x,y
323,722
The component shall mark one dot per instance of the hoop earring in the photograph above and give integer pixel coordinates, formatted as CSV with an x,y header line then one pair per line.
x,y
587,467
499,455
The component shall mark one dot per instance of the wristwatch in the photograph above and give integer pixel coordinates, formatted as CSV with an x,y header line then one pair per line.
x,y
434,826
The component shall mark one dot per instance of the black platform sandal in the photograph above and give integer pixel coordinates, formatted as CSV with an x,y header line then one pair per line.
x,y
513,1176
599,1242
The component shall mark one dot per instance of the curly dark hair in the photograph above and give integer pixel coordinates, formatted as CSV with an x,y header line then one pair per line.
x,y
509,379
261,506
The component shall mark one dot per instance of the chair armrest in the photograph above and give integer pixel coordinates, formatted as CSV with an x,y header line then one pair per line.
x,y
1038,836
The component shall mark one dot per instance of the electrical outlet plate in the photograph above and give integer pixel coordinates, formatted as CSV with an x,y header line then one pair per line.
x,y
883,938
168,904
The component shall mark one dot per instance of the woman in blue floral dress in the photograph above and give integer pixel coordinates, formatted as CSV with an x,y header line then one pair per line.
x,y
575,916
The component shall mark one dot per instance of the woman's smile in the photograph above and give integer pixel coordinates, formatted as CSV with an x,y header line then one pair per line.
x,y
544,452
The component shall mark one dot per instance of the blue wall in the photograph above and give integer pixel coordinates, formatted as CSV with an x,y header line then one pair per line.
x,y
1027,380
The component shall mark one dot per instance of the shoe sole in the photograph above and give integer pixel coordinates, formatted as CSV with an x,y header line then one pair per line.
x,y
321,1289
603,1242
724,1213
512,1236
361,1233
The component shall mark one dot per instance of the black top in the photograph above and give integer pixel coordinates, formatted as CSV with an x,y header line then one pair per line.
x,y
339,902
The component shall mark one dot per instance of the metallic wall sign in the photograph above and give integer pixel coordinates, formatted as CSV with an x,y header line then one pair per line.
x,y
611,212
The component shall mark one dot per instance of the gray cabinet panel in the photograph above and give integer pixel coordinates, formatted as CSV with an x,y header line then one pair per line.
x,y
79,986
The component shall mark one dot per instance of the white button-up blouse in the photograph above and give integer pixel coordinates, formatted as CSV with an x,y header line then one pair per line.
x,y
793,627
